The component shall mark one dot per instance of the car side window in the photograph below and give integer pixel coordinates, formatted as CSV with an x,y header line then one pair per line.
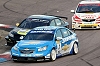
x,y
62,21
65,32
52,23
58,22
58,34
69,32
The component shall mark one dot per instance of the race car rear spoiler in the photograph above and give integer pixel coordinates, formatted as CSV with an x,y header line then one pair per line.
x,y
59,16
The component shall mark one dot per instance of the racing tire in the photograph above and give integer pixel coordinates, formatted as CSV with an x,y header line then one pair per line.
x,y
75,49
53,55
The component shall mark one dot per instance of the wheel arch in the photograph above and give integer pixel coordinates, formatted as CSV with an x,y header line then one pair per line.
x,y
71,49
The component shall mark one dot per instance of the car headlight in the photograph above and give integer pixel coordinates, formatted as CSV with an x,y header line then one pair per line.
x,y
10,34
15,48
42,48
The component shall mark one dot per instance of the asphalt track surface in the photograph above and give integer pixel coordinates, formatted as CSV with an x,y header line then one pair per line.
x,y
13,11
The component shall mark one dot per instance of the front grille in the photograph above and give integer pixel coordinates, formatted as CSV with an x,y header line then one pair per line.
x,y
88,20
26,51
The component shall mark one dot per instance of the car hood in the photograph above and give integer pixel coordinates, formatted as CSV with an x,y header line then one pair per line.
x,y
33,43
20,31
88,15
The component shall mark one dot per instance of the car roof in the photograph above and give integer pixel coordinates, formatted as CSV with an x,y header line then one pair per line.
x,y
42,16
48,28
89,2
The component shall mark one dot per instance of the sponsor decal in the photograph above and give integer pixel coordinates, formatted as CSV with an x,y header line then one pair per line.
x,y
41,32
33,42
23,32
65,47
90,16
67,38
38,54
26,55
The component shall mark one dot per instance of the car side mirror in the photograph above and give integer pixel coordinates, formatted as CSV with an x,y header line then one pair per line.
x,y
17,24
59,38
72,11
21,37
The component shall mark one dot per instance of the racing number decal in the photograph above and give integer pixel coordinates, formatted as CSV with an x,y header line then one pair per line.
x,y
58,46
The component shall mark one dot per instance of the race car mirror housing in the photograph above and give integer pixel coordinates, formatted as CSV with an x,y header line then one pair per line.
x,y
59,38
21,37
73,29
72,11
17,24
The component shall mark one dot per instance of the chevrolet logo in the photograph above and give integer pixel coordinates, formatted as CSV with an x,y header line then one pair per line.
x,y
88,20
26,49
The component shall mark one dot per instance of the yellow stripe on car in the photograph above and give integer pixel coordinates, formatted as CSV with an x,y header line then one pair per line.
x,y
88,25
23,32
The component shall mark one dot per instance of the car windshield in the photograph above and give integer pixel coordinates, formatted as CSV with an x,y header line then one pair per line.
x,y
84,8
30,23
39,36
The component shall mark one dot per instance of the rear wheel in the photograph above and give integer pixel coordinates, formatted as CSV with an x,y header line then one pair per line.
x,y
53,55
75,49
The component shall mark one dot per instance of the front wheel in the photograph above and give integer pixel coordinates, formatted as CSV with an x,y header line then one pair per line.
x,y
75,49
53,55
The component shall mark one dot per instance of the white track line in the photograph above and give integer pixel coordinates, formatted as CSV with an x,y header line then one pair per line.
x,y
3,25
5,53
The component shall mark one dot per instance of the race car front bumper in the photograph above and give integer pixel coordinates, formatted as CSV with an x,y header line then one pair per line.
x,y
28,58
10,41
32,58
29,55
85,26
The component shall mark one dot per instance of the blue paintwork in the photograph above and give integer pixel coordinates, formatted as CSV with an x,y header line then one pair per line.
x,y
36,44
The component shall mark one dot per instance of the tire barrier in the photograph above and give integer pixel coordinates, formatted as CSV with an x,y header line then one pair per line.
x,y
6,27
5,57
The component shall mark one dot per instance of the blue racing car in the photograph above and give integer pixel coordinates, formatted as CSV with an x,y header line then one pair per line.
x,y
45,43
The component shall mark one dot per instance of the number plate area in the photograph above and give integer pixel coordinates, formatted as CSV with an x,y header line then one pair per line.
x,y
26,55
88,25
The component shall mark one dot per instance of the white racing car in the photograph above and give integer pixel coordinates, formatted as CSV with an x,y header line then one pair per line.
x,y
86,15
